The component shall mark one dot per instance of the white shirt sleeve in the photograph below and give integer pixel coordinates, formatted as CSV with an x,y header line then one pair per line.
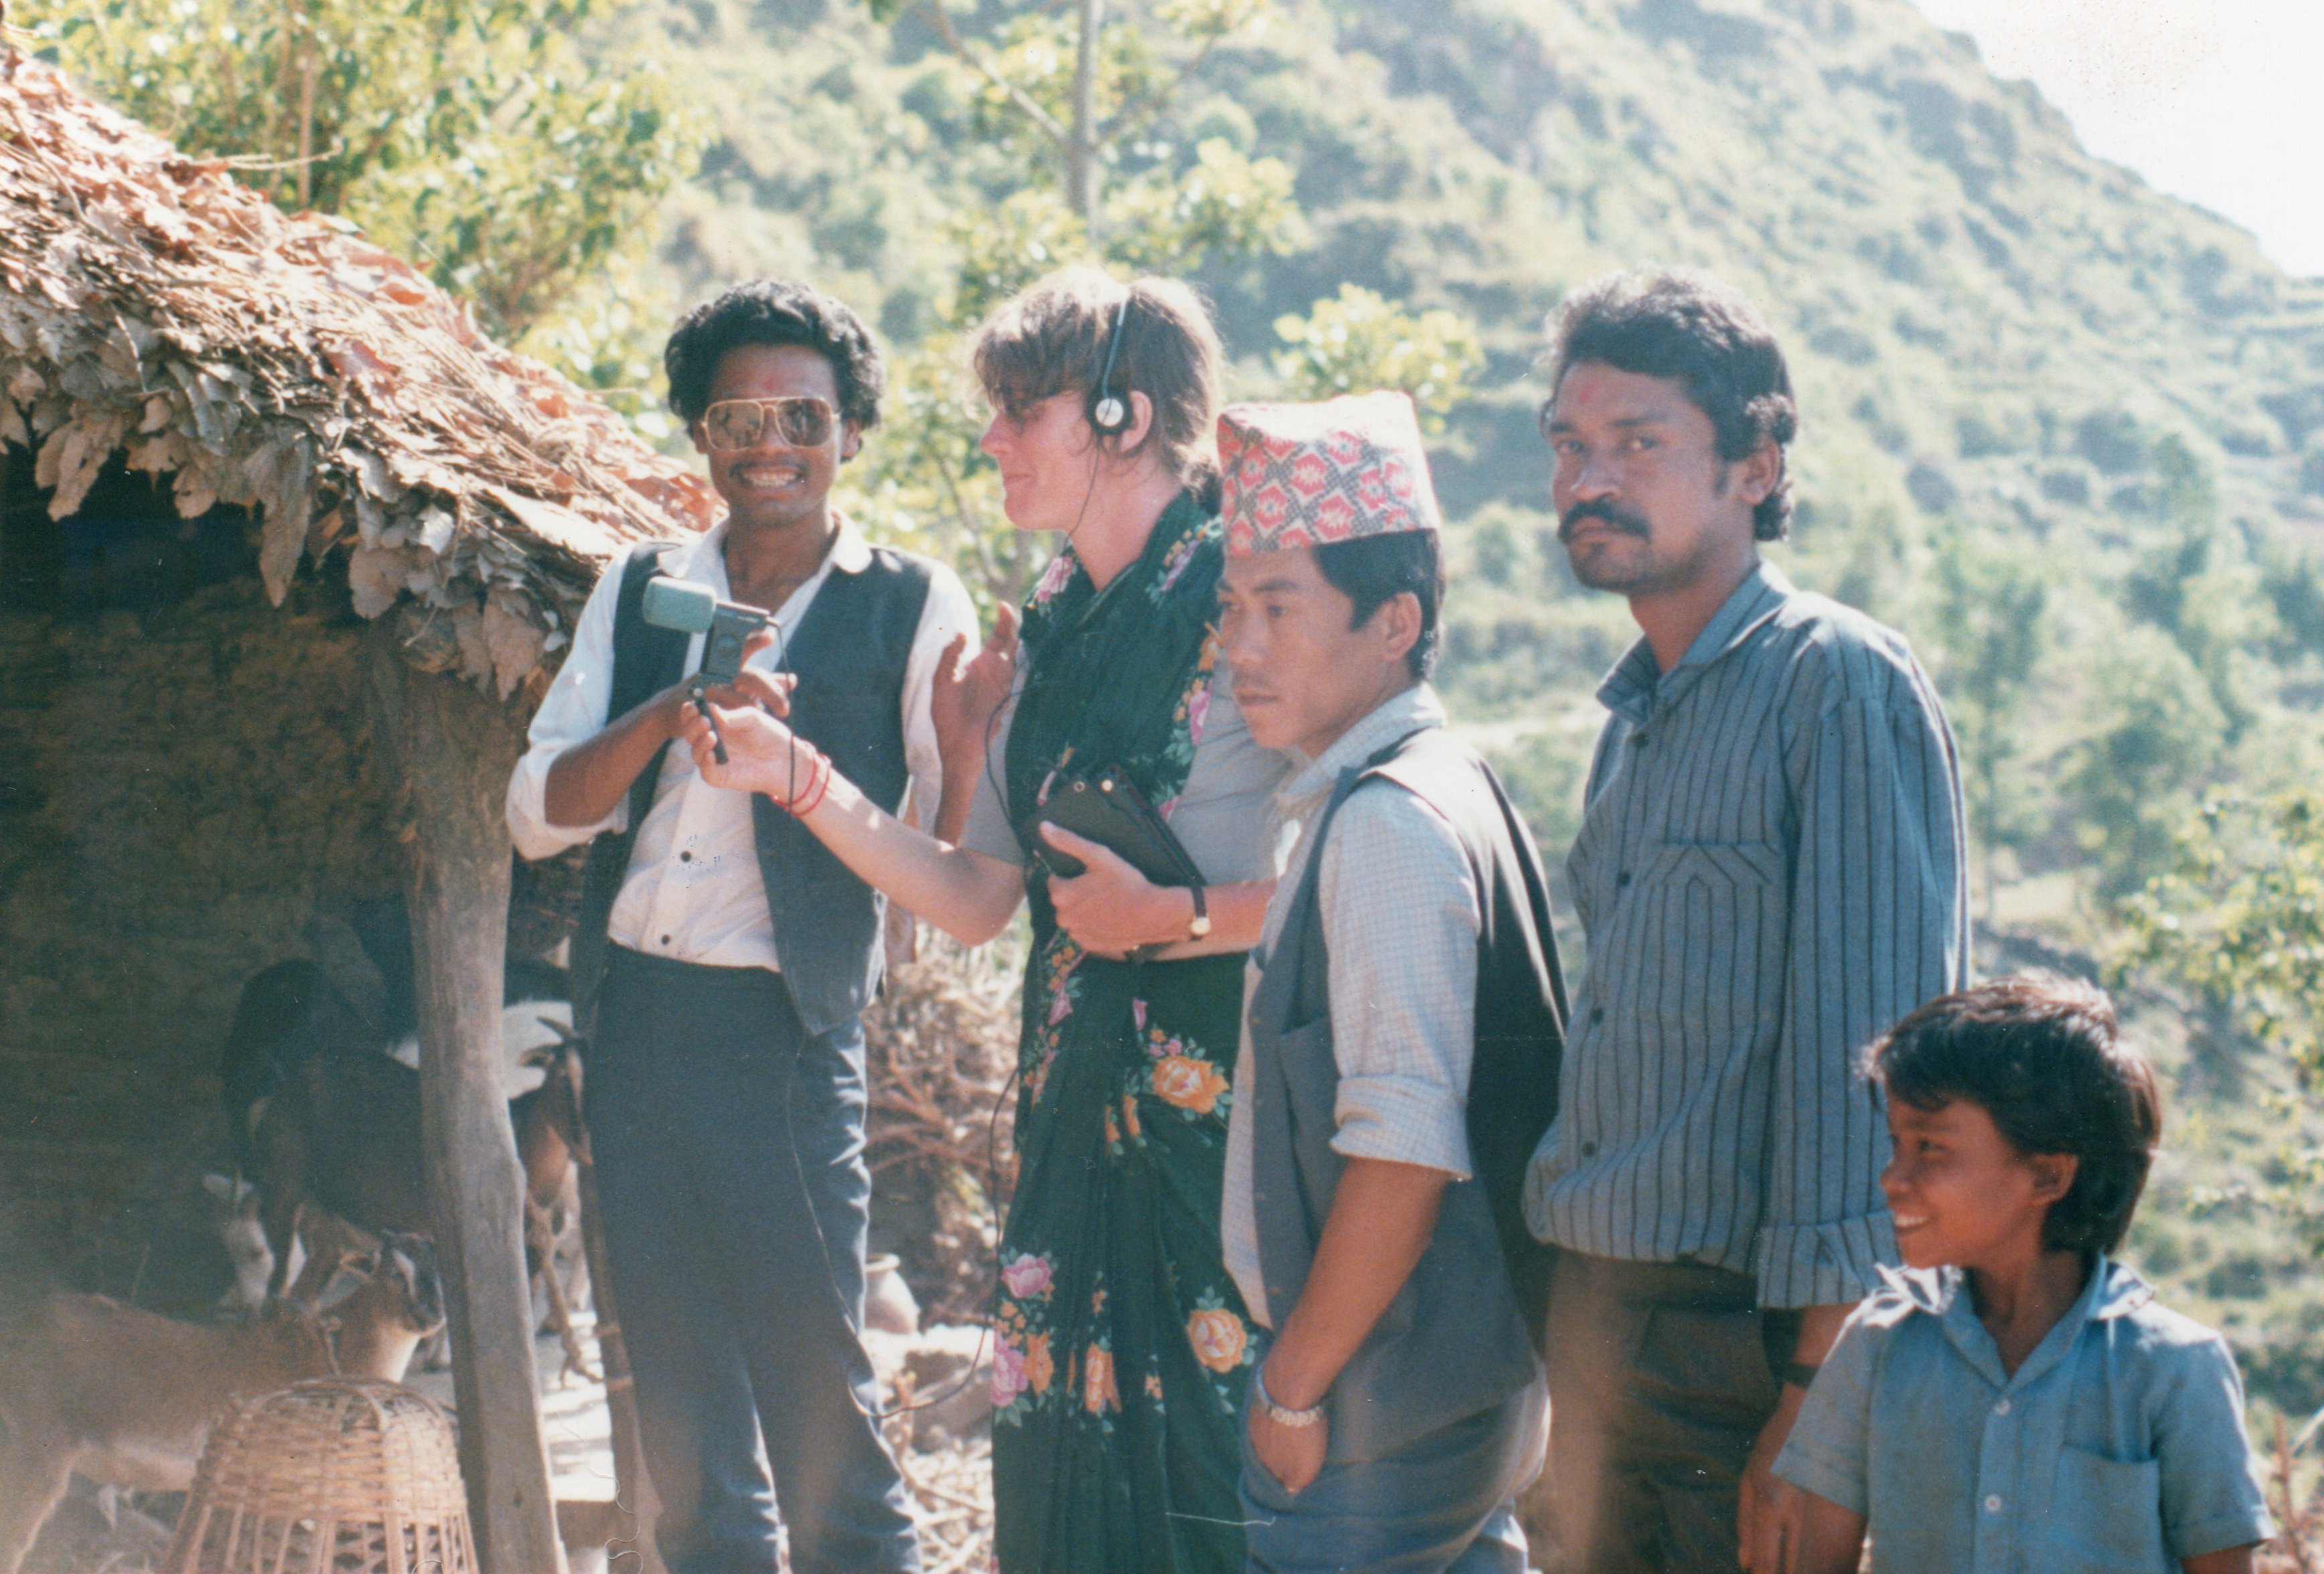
x,y
947,614
573,712
1401,919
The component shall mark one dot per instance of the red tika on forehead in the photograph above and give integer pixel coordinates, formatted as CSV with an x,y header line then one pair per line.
x,y
1310,474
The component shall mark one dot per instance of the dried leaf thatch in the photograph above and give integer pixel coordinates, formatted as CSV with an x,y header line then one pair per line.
x,y
150,305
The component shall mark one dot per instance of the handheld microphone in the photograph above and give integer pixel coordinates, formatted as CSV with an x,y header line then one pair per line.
x,y
687,606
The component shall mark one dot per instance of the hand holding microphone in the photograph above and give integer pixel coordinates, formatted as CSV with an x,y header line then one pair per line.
x,y
732,634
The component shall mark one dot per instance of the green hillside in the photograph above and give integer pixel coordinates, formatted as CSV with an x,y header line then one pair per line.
x,y
1996,335
2066,432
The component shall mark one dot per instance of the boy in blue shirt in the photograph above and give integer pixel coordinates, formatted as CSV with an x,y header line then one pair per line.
x,y
2016,1403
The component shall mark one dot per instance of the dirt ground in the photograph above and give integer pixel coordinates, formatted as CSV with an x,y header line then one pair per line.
x,y
938,1383
943,1443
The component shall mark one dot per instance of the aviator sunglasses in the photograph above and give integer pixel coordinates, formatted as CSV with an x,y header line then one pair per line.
x,y
802,421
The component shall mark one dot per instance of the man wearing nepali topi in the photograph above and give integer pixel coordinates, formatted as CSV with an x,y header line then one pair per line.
x,y
1401,1031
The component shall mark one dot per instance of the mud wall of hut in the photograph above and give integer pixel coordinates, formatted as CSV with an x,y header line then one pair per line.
x,y
186,795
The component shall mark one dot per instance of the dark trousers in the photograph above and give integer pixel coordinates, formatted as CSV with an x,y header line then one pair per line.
x,y
1660,1377
729,1147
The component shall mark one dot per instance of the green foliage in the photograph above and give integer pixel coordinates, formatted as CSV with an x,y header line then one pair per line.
x,y
2159,736
1221,204
1162,201
923,483
512,145
1988,611
2238,917
2237,920
1358,341
1005,247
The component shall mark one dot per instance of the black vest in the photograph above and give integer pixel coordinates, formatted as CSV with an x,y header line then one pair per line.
x,y
850,654
1462,1333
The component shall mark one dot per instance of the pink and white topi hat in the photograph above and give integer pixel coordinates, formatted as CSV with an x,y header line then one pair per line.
x,y
1311,474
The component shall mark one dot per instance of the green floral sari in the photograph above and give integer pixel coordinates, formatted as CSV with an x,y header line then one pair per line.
x,y
1122,1348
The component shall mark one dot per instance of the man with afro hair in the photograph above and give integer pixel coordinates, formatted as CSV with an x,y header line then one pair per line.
x,y
723,958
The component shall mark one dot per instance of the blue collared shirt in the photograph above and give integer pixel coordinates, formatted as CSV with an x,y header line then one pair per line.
x,y
2118,1445
1770,873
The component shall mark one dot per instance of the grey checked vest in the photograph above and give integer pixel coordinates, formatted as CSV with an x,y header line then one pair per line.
x,y
1461,1335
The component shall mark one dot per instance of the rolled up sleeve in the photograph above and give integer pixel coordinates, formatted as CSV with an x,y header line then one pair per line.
x,y
1879,926
947,614
2211,1496
1401,920
573,712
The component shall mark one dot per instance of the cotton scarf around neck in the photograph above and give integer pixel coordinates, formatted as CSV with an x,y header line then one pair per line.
x,y
1110,674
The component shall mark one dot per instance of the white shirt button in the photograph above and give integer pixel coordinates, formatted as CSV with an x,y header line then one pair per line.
x,y
2001,1408
1993,1504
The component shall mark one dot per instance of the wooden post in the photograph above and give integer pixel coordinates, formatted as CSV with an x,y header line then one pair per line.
x,y
633,1492
453,751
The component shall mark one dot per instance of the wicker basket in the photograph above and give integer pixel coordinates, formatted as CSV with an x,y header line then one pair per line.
x,y
336,1476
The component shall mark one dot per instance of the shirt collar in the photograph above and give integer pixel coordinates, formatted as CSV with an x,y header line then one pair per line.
x,y
2114,1290
849,553
1629,690
1409,711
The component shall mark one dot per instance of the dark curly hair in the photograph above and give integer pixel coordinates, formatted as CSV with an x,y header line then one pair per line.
x,y
774,311
1673,323
2038,1053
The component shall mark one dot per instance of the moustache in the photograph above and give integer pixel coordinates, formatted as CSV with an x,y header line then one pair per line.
x,y
1617,519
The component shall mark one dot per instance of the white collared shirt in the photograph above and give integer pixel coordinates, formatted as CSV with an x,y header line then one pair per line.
x,y
694,892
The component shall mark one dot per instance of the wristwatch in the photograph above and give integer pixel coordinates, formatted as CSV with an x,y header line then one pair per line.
x,y
1199,926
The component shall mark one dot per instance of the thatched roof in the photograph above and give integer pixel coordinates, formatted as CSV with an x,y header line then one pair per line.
x,y
149,303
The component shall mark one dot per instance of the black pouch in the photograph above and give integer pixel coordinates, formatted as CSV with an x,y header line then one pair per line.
x,y
1107,809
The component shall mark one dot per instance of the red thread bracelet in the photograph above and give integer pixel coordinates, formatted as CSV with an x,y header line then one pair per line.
x,y
819,783
823,783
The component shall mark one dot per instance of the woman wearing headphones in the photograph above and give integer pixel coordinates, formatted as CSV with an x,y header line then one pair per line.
x,y
1123,1349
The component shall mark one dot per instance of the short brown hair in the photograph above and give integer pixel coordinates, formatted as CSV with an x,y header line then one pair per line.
x,y
2038,1053
1052,338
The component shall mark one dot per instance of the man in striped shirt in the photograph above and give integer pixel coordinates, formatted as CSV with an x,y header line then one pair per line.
x,y
1770,872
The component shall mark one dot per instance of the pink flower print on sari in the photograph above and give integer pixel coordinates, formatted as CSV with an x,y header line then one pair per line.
x,y
1053,579
1027,1278
1061,994
1198,710
1008,1379
1174,564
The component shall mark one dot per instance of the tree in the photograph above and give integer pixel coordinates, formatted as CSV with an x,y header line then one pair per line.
x,y
512,147
2238,915
1990,599
1359,340
2199,584
1080,89
1093,168
2159,736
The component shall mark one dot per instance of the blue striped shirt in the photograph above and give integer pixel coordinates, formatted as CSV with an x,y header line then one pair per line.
x,y
1770,872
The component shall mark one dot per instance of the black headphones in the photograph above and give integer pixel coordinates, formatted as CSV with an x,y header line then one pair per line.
x,y
1109,411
